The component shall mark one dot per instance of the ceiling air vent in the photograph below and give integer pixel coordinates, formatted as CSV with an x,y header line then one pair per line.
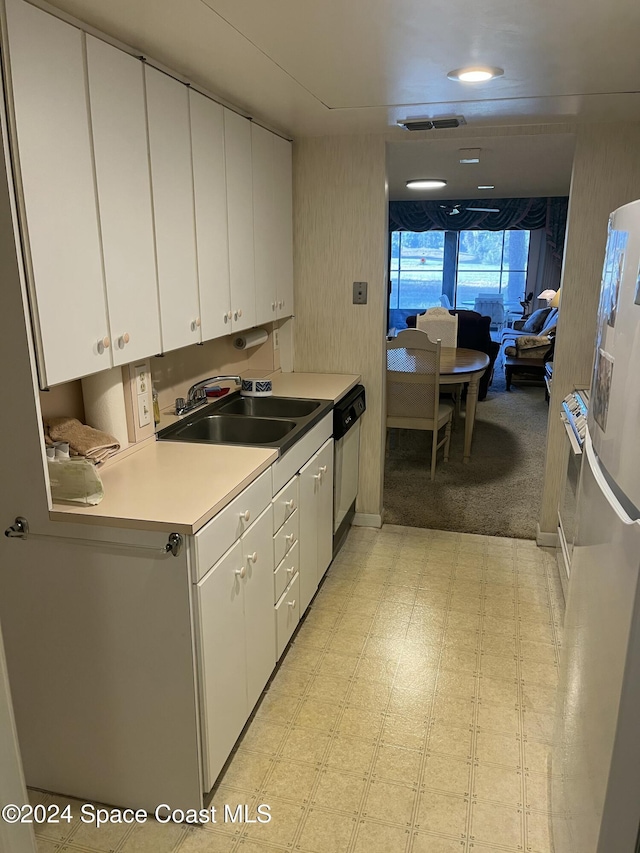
x,y
432,123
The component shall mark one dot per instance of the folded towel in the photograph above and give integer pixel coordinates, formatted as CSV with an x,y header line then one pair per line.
x,y
83,440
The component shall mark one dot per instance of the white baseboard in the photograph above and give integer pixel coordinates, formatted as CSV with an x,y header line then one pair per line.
x,y
365,519
548,540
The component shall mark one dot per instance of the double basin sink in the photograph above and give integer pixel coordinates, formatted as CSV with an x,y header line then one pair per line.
x,y
255,421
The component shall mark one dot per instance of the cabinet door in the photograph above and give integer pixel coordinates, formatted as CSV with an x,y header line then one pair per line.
x,y
259,620
172,186
283,224
324,463
222,660
52,125
237,149
264,225
308,488
116,91
210,195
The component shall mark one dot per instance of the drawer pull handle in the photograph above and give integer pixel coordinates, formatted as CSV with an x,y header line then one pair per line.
x,y
292,603
240,572
290,504
253,557
246,515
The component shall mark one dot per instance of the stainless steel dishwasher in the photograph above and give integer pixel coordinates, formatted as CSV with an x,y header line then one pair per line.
x,y
346,433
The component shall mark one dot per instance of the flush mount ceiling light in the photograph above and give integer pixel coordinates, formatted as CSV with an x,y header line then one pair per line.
x,y
486,187
469,155
475,74
426,184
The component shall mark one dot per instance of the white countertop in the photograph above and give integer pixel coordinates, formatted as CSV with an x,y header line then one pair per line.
x,y
173,486
315,386
179,486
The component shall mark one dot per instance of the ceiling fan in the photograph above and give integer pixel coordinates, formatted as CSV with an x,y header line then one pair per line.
x,y
453,209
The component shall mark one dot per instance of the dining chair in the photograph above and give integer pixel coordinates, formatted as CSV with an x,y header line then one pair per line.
x,y
413,389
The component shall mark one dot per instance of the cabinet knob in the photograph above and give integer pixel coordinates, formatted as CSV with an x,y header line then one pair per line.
x,y
317,477
123,340
290,504
290,538
227,317
103,344
292,603
240,572
239,312
246,515
281,304
291,571
323,469
195,324
253,558
235,315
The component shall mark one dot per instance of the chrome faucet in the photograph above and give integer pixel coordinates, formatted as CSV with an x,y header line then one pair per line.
x,y
196,395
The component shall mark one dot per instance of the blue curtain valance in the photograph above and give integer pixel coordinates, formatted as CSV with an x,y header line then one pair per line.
x,y
525,214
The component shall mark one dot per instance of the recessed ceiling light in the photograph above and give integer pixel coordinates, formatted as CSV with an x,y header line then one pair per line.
x,y
426,184
487,187
475,74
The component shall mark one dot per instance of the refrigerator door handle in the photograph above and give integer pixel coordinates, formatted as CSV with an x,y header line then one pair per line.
x,y
605,488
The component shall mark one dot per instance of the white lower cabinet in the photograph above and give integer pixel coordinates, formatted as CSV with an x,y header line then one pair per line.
x,y
237,641
315,521
222,660
287,614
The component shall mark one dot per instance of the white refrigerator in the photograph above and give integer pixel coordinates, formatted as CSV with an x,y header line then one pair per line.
x,y
595,783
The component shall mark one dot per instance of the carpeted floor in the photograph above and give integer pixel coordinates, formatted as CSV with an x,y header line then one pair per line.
x,y
498,492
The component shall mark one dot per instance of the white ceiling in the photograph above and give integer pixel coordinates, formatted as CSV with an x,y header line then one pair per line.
x,y
518,166
353,66
323,67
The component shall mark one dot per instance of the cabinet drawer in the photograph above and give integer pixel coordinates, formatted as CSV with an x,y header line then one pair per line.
x,y
285,503
230,523
285,538
287,569
287,615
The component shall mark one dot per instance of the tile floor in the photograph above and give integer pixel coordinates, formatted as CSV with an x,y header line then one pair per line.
x,y
412,713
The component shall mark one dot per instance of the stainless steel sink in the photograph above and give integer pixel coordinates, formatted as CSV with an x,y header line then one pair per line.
x,y
223,429
270,407
255,421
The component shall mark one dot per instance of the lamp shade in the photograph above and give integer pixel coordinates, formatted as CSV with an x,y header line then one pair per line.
x,y
547,295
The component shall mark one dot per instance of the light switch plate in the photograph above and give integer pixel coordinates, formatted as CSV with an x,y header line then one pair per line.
x,y
144,410
360,292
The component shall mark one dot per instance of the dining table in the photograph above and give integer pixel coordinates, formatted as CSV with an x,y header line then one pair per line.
x,y
458,366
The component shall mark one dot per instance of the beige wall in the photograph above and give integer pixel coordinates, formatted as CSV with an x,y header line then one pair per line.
x,y
340,236
606,174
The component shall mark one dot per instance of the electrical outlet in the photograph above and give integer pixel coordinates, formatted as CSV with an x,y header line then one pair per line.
x,y
142,378
360,292
144,410
276,340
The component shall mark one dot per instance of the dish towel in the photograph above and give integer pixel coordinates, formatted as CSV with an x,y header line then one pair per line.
x,y
83,440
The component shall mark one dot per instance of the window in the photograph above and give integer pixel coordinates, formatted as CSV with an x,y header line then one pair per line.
x,y
426,267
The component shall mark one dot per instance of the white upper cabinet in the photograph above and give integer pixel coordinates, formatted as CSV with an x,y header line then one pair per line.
x,y
56,170
172,183
210,191
264,226
283,224
116,91
272,223
237,148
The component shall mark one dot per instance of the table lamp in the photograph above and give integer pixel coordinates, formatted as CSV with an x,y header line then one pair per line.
x,y
547,295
